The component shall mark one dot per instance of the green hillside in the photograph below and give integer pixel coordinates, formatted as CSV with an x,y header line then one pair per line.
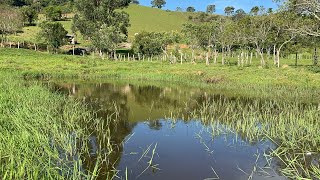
x,y
151,19
141,19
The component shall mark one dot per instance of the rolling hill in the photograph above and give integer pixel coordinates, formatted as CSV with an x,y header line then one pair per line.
x,y
141,19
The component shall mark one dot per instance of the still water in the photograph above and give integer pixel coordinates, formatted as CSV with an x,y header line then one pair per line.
x,y
156,139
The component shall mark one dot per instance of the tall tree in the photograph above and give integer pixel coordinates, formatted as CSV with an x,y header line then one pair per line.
x,y
53,13
229,10
211,8
93,17
10,21
158,3
53,34
29,14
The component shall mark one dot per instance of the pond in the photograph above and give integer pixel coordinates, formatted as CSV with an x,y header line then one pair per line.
x,y
156,133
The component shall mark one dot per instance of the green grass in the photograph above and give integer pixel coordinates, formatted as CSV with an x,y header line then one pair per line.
x,y
286,83
152,19
39,132
45,135
141,19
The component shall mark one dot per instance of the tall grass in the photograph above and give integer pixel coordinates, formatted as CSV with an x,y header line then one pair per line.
x,y
42,134
292,127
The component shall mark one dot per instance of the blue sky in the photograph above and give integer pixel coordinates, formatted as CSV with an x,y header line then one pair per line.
x,y
201,5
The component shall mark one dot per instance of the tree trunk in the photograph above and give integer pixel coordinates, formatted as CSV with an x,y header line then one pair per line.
x,y
242,58
222,55
274,55
315,57
258,51
296,59
207,58
278,58
192,58
215,55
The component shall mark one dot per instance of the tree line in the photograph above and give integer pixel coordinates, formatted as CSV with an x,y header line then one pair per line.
x,y
261,31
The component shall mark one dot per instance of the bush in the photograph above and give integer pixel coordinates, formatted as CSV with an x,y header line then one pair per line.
x,y
153,43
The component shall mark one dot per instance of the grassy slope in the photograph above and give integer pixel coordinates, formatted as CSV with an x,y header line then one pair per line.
x,y
252,81
151,19
141,19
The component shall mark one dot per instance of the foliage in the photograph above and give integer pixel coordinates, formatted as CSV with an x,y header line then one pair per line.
x,y
153,43
158,3
53,13
93,17
108,38
229,10
135,2
53,34
191,9
211,8
10,20
29,14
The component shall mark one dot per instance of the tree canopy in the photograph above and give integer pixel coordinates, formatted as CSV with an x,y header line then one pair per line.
x,y
158,3
94,17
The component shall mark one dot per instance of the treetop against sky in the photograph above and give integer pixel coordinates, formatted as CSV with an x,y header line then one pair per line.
x,y
201,5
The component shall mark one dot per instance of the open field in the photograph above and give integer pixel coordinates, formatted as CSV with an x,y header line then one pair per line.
x,y
252,81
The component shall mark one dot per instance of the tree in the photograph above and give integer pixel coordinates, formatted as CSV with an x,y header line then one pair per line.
x,y
211,8
260,29
229,10
108,38
310,9
10,21
179,9
135,2
255,10
191,9
95,17
158,3
53,13
29,14
240,13
16,2
153,43
53,34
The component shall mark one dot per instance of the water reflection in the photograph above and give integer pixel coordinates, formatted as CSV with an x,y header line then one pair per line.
x,y
179,149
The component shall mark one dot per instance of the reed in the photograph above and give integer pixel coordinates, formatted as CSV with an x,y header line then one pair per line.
x,y
292,127
43,135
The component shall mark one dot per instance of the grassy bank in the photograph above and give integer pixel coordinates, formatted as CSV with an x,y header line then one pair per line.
x,y
285,83
41,132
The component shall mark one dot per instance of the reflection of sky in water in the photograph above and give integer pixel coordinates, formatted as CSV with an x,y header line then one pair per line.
x,y
188,151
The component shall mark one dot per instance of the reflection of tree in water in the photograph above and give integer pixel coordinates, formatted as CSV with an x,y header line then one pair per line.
x,y
111,108
156,124
152,96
